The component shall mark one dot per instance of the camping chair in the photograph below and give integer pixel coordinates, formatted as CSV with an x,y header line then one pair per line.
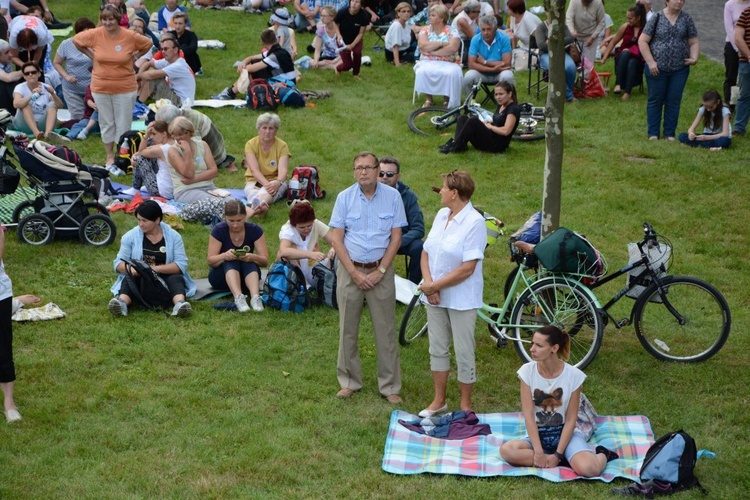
x,y
538,77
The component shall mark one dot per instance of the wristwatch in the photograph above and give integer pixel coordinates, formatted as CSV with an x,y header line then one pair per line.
x,y
381,269
559,456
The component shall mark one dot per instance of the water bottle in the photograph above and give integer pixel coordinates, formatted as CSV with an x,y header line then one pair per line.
x,y
35,96
294,183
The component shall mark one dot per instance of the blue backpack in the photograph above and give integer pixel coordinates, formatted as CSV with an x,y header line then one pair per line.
x,y
285,287
671,459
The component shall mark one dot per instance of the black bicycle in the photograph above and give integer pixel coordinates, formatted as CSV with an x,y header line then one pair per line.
x,y
436,121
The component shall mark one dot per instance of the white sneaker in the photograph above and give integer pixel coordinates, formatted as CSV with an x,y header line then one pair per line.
x,y
82,135
114,170
182,309
256,303
117,307
130,191
241,302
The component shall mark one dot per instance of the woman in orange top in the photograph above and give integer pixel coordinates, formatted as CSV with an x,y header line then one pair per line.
x,y
113,50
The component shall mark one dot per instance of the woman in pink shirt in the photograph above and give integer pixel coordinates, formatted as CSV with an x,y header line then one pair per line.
x,y
732,11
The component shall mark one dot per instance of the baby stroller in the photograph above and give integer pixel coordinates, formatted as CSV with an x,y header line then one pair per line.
x,y
58,205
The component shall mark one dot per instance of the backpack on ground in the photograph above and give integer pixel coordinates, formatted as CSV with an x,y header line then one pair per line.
x,y
305,184
565,251
260,95
671,459
288,95
149,288
325,284
128,145
285,287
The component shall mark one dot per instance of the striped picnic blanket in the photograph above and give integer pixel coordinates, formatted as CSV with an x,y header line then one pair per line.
x,y
408,452
9,202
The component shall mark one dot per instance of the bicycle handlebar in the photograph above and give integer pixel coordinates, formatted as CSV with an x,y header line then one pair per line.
x,y
650,236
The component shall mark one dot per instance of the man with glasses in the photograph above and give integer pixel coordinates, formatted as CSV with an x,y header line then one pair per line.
x,y
490,55
153,74
413,232
366,233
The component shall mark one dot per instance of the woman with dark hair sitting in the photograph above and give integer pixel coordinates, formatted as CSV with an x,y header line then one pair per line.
x,y
36,104
485,134
161,247
628,60
300,236
550,397
236,252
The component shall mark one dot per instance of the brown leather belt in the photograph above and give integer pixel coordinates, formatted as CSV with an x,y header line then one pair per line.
x,y
367,265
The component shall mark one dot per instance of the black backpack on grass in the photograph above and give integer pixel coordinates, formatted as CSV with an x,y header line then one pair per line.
x,y
260,95
149,288
671,459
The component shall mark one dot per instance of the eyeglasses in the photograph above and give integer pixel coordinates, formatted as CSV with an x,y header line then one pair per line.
x,y
166,48
360,168
387,174
29,73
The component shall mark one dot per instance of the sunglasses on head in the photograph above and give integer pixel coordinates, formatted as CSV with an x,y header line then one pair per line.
x,y
387,174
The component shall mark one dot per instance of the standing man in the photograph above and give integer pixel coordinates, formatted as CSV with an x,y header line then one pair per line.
x,y
742,40
152,76
366,228
413,232
489,56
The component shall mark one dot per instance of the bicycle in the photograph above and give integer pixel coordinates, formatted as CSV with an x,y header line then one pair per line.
x,y
436,120
541,301
676,318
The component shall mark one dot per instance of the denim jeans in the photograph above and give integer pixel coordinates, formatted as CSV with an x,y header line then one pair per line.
x,y
570,72
721,142
81,124
743,101
628,70
664,93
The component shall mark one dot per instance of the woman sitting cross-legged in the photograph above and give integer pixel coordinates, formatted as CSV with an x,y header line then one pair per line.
x,y
236,252
299,238
488,135
150,166
36,104
328,43
438,70
267,161
161,247
550,396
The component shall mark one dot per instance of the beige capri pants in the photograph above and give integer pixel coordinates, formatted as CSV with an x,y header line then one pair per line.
x,y
444,324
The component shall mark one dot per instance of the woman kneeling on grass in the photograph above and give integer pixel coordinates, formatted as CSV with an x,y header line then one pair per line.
x,y
550,396
236,252
161,247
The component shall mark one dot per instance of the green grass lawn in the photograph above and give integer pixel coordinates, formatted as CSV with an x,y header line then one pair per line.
x,y
228,405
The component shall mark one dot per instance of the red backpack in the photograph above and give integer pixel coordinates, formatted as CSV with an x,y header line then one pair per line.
x,y
305,184
260,95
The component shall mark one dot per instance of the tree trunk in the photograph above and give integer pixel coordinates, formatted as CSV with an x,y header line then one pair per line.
x,y
554,111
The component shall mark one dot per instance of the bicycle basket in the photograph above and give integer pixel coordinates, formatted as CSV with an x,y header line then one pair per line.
x,y
658,255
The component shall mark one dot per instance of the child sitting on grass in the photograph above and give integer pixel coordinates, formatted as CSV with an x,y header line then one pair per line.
x,y
89,122
717,132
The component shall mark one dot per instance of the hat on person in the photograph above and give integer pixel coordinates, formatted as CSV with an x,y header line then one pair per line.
x,y
280,16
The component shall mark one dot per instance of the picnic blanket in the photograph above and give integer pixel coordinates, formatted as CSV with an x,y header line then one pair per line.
x,y
118,186
408,452
9,202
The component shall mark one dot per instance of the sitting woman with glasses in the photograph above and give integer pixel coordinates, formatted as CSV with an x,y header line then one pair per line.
x,y
36,104
438,70
491,135
300,237
399,40
466,25
328,43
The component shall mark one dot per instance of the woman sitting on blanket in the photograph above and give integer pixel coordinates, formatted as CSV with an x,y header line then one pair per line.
x,y
299,238
192,165
550,396
150,166
267,161
236,252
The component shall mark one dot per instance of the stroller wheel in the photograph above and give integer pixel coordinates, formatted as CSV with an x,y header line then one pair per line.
x,y
97,230
36,229
23,209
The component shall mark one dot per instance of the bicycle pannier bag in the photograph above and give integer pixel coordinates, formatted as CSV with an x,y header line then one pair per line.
x,y
566,251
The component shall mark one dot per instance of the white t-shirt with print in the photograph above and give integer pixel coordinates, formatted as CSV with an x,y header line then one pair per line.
x,y
551,398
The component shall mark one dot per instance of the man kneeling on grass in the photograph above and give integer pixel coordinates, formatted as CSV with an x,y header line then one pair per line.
x,y
272,62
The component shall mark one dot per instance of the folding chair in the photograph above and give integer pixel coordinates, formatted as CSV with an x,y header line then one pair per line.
x,y
540,75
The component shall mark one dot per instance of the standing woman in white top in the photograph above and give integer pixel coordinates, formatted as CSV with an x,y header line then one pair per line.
x,y
7,368
452,285
398,40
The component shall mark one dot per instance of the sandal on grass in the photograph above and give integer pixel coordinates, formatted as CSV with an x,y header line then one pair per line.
x,y
427,103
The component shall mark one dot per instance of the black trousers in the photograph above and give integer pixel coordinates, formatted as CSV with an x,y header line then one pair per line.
x,y
731,66
628,71
7,368
472,130
175,283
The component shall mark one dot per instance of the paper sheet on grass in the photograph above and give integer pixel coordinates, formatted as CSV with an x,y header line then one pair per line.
x,y
408,452
217,103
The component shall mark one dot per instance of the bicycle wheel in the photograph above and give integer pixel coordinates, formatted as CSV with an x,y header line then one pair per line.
x,y
414,324
566,305
427,121
690,323
529,130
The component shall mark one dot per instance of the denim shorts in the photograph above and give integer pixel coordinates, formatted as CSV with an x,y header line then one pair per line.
x,y
576,444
